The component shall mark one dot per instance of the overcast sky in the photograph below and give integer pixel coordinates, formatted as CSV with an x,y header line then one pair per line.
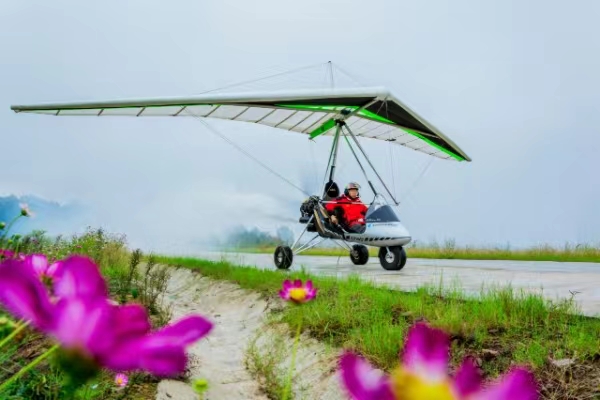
x,y
514,83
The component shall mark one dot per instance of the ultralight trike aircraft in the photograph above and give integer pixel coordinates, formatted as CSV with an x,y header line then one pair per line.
x,y
346,114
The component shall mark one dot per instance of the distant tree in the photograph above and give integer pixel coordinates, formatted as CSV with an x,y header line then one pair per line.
x,y
243,237
285,235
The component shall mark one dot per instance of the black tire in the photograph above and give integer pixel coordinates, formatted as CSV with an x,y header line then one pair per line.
x,y
394,260
362,254
283,257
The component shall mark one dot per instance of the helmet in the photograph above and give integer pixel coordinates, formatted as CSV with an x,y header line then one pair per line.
x,y
351,185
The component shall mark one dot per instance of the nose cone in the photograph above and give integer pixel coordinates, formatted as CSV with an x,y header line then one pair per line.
x,y
403,233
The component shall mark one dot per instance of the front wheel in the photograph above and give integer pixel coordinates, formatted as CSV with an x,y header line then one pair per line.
x,y
392,258
283,257
359,254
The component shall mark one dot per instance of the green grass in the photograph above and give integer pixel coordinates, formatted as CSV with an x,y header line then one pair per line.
x,y
503,326
568,253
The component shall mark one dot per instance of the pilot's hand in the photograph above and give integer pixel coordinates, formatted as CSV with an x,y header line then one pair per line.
x,y
334,219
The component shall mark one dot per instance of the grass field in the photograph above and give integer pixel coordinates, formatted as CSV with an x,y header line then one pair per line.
x,y
573,253
501,328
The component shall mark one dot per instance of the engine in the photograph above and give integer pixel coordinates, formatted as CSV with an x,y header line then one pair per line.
x,y
307,208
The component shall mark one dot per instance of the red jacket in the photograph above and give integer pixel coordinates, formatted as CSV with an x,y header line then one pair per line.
x,y
354,209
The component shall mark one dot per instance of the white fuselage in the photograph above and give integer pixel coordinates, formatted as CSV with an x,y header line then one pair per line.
x,y
382,234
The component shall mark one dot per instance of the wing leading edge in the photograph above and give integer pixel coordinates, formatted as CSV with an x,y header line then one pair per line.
x,y
376,114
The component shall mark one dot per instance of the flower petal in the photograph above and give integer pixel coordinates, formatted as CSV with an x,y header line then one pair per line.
x,y
52,268
298,283
78,276
519,384
161,359
161,353
130,321
23,294
164,360
468,379
287,284
363,382
183,332
284,294
84,323
426,352
39,263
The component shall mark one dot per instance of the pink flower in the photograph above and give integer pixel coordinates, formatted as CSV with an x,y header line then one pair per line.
x,y
82,319
23,294
297,292
121,380
6,254
42,268
423,375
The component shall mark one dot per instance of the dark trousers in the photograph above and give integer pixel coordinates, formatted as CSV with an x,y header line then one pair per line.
x,y
356,228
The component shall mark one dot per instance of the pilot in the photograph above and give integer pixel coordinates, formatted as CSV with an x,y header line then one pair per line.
x,y
348,209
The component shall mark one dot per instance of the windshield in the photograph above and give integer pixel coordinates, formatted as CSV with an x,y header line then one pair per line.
x,y
381,213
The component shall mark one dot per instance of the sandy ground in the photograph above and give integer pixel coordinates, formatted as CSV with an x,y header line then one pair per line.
x,y
240,319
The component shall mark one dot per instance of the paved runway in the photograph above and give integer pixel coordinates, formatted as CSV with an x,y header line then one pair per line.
x,y
553,279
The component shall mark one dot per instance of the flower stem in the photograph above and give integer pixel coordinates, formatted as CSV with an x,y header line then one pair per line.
x,y
29,366
288,385
8,228
14,333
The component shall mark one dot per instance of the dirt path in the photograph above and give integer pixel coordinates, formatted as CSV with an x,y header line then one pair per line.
x,y
241,333
218,358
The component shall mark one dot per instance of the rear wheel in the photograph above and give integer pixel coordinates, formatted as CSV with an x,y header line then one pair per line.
x,y
359,254
283,257
392,258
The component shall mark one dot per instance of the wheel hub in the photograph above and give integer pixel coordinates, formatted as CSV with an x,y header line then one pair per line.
x,y
389,256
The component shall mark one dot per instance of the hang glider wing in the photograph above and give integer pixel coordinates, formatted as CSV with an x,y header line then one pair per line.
x,y
374,113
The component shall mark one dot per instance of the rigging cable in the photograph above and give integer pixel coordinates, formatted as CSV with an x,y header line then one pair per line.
x,y
417,180
247,153
263,78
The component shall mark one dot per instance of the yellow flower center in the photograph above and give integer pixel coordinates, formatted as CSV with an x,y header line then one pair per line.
x,y
298,294
408,386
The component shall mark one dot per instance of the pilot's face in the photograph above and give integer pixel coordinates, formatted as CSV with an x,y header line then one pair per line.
x,y
353,193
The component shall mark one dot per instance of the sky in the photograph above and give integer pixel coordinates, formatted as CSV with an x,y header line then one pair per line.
x,y
513,83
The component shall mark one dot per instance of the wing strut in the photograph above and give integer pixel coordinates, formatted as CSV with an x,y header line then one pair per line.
x,y
333,158
361,167
369,161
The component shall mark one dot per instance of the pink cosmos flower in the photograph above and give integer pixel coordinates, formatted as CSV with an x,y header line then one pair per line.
x,y
121,380
423,375
42,268
82,319
297,292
